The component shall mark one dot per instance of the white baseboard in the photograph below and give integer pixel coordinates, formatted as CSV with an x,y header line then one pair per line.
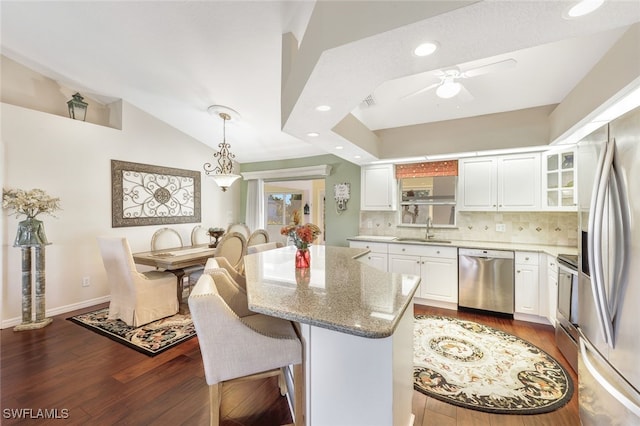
x,y
531,318
11,322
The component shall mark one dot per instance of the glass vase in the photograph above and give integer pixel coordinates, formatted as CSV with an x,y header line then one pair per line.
x,y
303,258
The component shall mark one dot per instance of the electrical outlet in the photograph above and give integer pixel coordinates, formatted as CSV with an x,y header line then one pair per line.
x,y
369,224
500,227
86,281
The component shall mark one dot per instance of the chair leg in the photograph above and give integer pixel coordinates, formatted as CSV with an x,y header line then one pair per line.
x,y
299,392
282,383
215,397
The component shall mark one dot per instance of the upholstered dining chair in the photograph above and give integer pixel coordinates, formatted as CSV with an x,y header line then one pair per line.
x,y
169,238
262,247
214,263
259,236
200,235
136,298
166,238
238,345
232,247
241,228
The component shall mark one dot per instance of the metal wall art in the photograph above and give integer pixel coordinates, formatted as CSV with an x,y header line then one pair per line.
x,y
142,194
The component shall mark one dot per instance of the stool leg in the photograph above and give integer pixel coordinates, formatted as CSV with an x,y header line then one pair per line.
x,y
215,396
299,391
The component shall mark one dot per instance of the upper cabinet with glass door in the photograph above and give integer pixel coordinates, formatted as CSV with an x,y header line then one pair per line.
x,y
559,180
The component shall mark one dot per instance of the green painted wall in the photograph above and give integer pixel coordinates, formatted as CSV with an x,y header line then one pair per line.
x,y
338,226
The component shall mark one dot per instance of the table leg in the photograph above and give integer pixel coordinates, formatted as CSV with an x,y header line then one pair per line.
x,y
179,273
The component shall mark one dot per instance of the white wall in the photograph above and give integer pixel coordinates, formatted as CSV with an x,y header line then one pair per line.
x,y
71,160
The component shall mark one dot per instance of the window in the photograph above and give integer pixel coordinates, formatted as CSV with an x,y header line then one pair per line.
x,y
428,190
281,207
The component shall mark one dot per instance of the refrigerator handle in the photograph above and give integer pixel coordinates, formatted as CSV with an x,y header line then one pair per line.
x,y
586,347
594,249
620,204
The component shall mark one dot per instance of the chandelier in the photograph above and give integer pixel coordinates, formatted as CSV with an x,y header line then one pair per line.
x,y
222,173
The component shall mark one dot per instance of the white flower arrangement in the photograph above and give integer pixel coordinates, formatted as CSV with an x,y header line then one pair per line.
x,y
29,203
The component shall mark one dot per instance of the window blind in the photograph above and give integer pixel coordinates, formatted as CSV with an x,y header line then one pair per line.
x,y
426,169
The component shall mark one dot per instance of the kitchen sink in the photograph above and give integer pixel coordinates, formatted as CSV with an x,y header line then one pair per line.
x,y
423,240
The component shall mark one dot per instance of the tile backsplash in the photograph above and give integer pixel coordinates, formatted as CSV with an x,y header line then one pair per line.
x,y
547,228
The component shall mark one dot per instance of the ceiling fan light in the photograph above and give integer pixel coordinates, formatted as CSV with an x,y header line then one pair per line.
x,y
448,89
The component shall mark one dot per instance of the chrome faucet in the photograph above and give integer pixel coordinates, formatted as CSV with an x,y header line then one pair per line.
x,y
429,231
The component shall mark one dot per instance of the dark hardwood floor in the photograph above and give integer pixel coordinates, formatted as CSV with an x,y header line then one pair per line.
x,y
84,378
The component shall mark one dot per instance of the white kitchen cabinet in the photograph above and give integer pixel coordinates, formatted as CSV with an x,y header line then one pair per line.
x,y
377,256
504,183
552,288
378,188
437,267
559,180
527,287
477,184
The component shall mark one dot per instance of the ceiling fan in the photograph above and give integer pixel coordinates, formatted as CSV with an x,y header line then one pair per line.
x,y
448,86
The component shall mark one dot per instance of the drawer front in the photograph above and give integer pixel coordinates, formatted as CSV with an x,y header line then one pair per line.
x,y
425,250
526,258
374,247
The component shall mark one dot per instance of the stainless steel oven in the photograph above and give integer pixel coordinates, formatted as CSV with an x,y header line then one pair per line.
x,y
567,314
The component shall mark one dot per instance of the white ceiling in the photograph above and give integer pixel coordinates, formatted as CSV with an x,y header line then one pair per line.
x,y
174,59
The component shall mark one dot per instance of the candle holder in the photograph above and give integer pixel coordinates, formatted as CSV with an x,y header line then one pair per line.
x,y
215,233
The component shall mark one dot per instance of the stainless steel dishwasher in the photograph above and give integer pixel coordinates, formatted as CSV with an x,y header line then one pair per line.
x,y
486,280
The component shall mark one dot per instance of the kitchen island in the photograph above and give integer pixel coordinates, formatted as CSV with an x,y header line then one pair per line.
x,y
356,324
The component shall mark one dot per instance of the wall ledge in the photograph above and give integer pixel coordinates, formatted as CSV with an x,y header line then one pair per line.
x,y
310,172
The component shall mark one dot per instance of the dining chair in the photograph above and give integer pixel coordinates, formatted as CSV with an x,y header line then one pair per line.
x,y
259,236
169,238
241,228
136,298
233,247
166,238
262,247
214,263
200,235
238,345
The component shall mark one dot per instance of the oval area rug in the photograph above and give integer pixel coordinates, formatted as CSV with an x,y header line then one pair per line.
x,y
481,368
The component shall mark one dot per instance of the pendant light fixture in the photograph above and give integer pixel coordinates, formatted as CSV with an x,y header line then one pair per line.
x,y
222,173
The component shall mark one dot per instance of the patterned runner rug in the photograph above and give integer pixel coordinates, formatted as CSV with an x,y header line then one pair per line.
x,y
478,367
150,339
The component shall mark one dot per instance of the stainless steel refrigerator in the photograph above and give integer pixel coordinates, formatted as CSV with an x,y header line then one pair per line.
x,y
609,274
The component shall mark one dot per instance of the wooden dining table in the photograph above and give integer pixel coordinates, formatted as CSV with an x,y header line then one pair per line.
x,y
175,260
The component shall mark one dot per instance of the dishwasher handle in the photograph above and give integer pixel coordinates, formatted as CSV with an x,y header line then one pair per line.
x,y
486,254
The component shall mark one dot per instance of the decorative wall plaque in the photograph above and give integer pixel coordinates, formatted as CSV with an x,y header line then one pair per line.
x,y
142,194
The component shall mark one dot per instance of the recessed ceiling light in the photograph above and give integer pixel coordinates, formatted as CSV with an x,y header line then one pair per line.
x,y
323,108
426,49
356,156
582,8
339,147
313,134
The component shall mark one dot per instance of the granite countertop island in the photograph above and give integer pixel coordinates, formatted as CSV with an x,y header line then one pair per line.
x,y
356,327
338,292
